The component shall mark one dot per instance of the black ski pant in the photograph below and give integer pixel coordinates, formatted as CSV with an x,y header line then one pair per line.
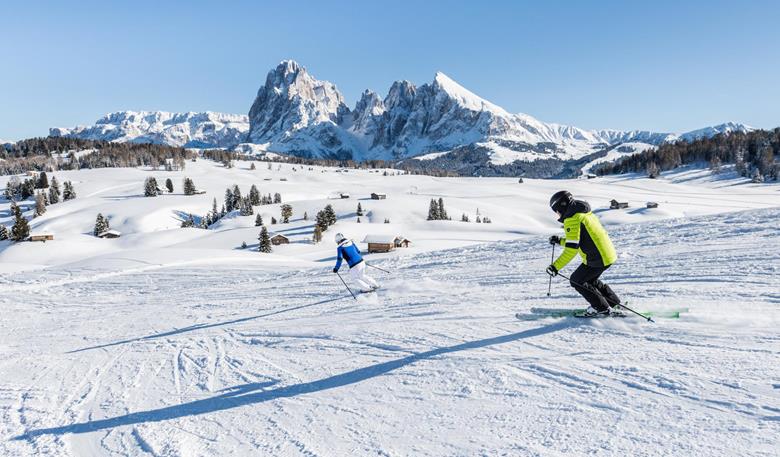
x,y
585,280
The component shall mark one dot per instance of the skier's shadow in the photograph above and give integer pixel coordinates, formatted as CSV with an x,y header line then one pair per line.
x,y
192,328
250,394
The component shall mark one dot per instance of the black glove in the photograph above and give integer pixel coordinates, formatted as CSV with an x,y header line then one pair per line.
x,y
335,270
555,239
552,271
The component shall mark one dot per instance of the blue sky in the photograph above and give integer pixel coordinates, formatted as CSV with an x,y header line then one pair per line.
x,y
661,65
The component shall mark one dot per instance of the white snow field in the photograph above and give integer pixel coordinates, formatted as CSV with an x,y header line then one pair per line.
x,y
171,341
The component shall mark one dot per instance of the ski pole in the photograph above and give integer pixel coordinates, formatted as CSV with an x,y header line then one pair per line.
x,y
552,259
345,285
380,269
616,304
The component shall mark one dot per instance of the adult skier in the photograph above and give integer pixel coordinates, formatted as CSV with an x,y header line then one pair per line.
x,y
584,234
349,251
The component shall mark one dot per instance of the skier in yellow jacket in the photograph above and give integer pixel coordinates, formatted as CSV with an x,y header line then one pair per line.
x,y
584,234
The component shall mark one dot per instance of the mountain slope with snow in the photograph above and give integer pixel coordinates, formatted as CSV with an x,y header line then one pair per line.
x,y
206,129
295,113
173,352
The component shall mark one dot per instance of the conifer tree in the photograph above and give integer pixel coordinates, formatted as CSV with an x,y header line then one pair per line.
x,y
245,207
330,214
258,220
189,187
442,212
101,225
43,181
464,218
150,187
305,216
214,210
69,193
433,211
321,221
169,185
40,204
3,233
273,220
254,195
236,196
265,241
287,212
21,229
253,167
228,200
277,198
54,191
359,210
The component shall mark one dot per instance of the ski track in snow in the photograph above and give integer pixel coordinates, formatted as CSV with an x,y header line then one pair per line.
x,y
179,360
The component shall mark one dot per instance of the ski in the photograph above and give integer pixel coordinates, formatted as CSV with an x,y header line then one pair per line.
x,y
543,313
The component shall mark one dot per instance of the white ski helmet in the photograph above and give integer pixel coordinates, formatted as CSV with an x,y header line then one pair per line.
x,y
339,238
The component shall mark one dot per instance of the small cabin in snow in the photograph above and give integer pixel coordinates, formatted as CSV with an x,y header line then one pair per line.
x,y
277,239
41,237
385,243
375,196
614,204
343,195
652,205
110,234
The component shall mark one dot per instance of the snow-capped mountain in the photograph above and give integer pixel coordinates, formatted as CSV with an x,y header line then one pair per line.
x,y
206,129
294,113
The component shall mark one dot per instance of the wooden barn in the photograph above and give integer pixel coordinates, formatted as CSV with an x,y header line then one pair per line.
x,y
378,196
614,204
41,237
385,243
277,239
110,234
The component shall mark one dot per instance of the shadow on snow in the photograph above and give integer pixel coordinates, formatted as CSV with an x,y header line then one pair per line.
x,y
250,394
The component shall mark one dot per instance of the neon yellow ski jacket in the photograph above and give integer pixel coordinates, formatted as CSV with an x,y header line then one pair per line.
x,y
585,235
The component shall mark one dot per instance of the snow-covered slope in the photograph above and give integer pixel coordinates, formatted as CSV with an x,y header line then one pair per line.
x,y
200,351
205,129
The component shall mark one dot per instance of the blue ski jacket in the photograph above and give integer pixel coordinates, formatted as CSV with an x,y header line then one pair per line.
x,y
348,251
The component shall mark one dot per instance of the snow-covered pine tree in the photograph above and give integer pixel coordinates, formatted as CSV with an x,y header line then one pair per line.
x,y
259,220
101,225
433,211
330,214
358,220
442,212
54,191
254,194
246,207
236,196
21,229
40,204
305,216
359,209
69,193
277,198
43,181
189,187
214,210
169,185
287,212
150,187
321,220
652,170
228,200
253,167
464,218
478,220
243,243
265,241
3,232
273,220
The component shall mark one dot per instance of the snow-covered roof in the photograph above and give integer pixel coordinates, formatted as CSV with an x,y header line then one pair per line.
x,y
380,239
110,232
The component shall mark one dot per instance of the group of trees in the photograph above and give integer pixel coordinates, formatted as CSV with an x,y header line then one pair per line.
x,y
20,230
753,155
324,219
101,225
58,153
45,193
436,211
152,189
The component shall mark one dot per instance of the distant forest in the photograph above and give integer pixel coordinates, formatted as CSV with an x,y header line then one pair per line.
x,y
753,155
54,153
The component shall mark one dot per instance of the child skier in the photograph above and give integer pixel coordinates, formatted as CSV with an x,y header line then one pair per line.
x,y
584,234
349,251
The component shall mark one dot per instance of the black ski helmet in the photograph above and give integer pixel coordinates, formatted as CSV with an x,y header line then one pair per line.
x,y
560,201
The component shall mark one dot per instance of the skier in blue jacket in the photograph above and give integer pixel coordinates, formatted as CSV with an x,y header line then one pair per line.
x,y
348,251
